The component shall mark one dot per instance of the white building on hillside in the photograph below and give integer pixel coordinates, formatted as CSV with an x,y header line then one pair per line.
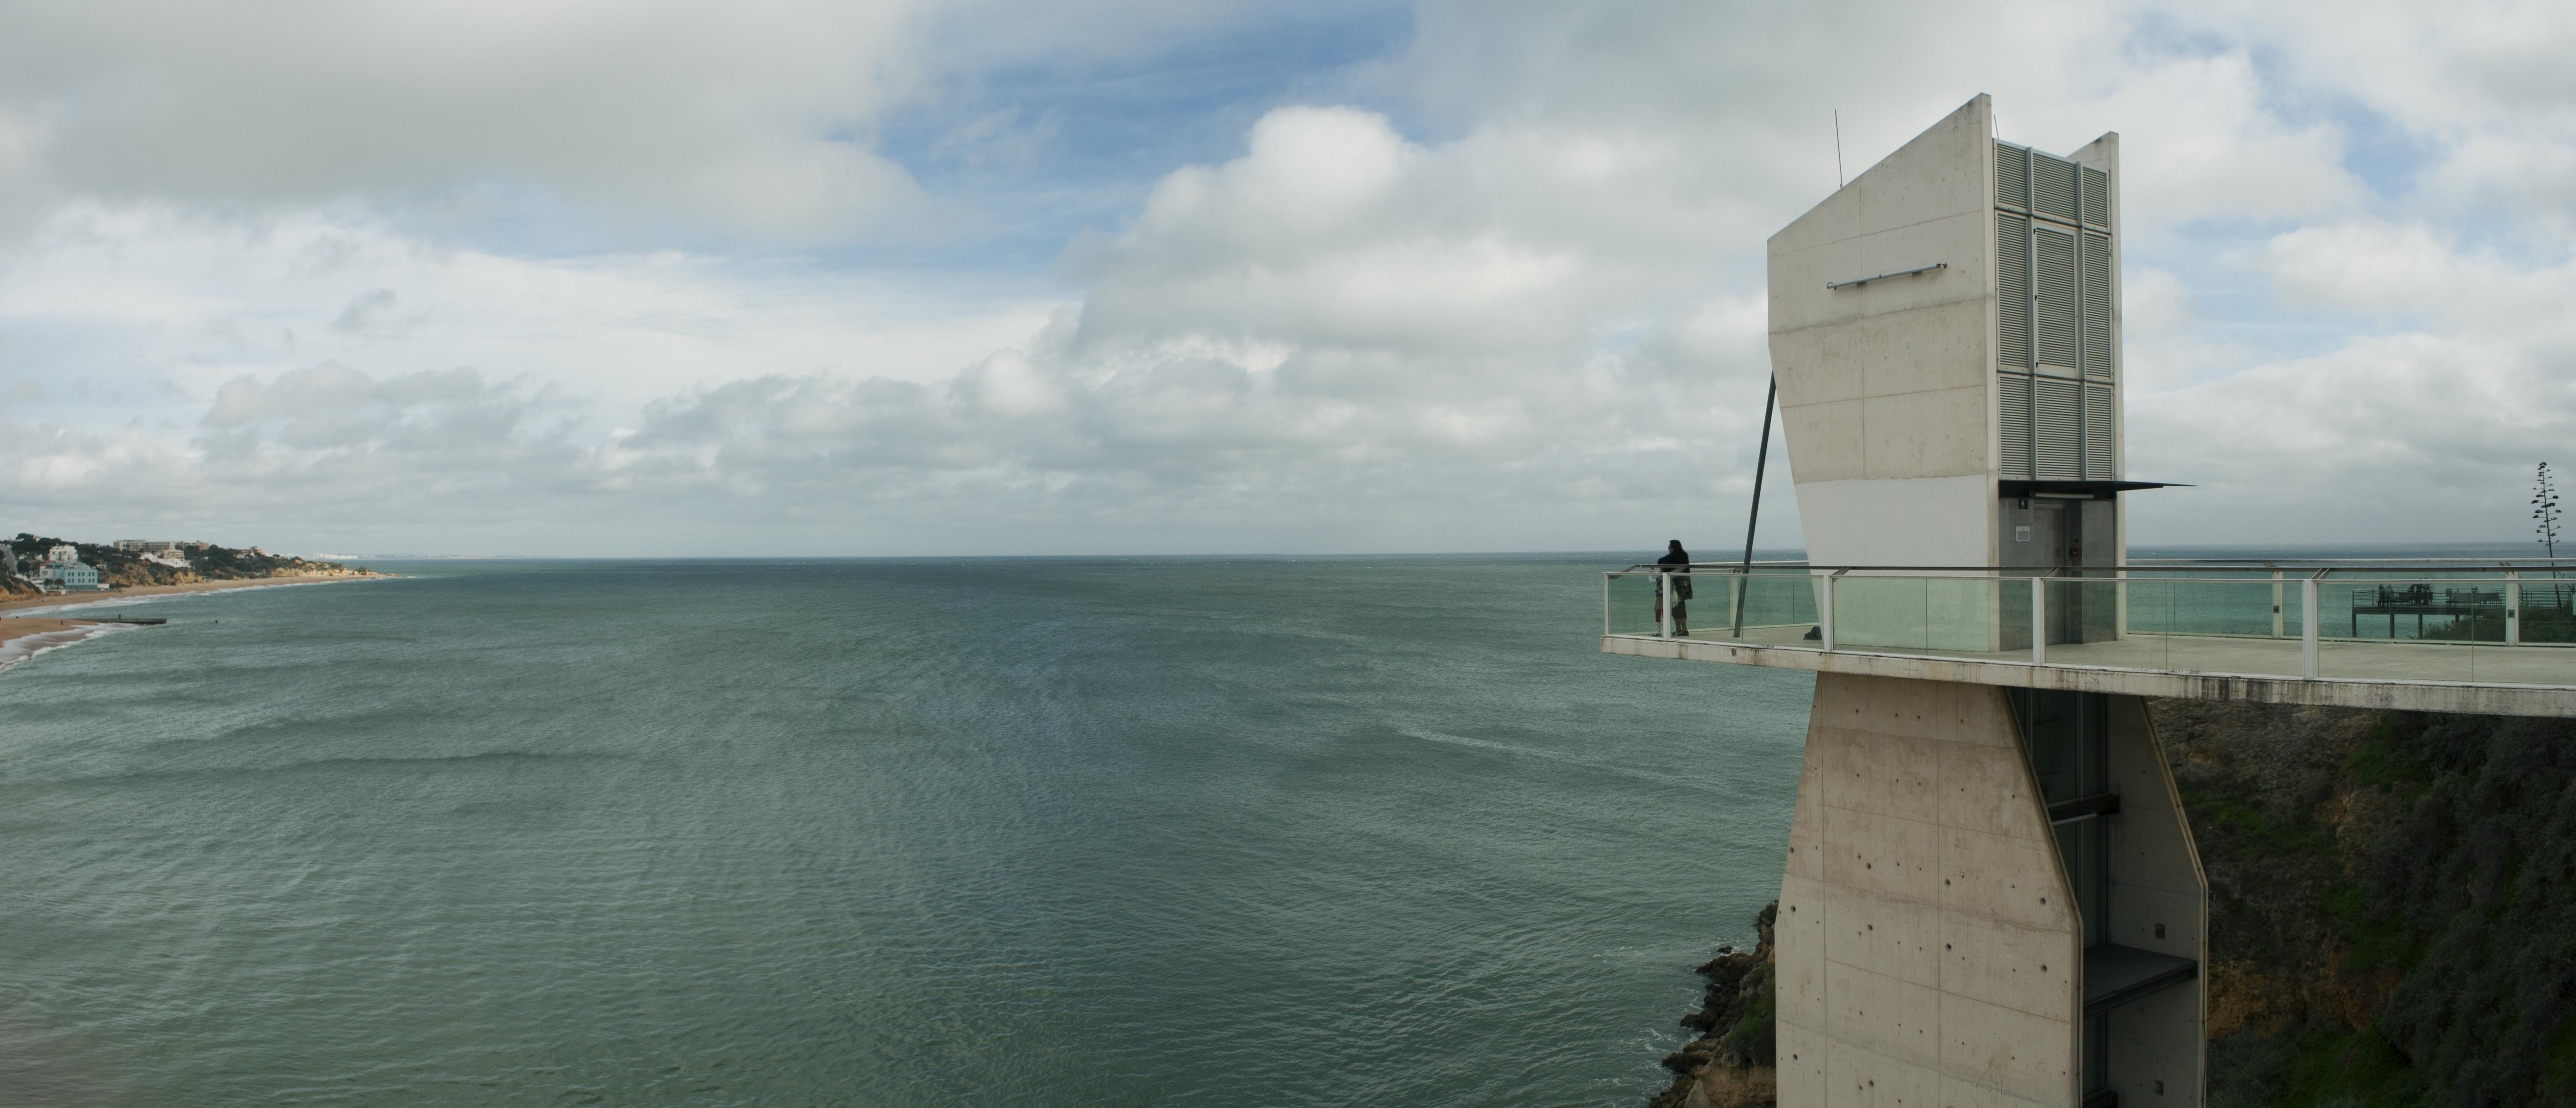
x,y
66,571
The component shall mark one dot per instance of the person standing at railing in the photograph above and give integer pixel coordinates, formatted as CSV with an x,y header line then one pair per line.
x,y
1675,560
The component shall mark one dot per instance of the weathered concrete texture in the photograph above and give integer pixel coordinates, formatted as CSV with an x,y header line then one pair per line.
x,y
2159,902
2412,696
1886,385
1928,946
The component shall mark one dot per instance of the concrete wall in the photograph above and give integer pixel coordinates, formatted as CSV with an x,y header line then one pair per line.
x,y
1928,948
1897,522
1887,389
2159,1045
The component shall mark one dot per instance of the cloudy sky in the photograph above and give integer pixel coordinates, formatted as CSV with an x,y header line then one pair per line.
x,y
778,277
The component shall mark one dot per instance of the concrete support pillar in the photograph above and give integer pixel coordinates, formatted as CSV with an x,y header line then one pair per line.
x,y
1931,951
1927,939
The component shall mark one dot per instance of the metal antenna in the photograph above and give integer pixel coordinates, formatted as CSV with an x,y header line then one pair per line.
x,y
1838,156
1753,518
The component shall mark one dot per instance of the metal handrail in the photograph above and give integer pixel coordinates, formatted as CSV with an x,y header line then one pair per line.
x,y
2456,565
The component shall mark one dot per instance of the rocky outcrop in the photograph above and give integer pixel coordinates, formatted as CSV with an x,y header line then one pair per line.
x,y
1730,1064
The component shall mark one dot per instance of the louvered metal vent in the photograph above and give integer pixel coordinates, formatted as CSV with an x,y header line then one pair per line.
x,y
2013,400
2097,198
2097,306
2012,284
2054,299
2054,289
2061,427
2097,430
2052,187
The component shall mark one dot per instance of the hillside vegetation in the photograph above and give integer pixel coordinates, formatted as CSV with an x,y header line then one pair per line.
x,y
2392,903
124,569
2392,914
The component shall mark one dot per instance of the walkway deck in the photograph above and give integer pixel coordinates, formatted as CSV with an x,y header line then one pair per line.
x,y
2417,676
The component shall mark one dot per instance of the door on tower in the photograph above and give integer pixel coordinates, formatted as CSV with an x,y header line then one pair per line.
x,y
2045,536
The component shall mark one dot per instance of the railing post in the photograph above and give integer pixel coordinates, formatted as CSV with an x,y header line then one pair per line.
x,y
1825,611
2039,621
1665,594
1605,605
2513,607
2308,628
2276,603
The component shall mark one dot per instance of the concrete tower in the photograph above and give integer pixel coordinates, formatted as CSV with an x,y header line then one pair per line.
x,y
1968,867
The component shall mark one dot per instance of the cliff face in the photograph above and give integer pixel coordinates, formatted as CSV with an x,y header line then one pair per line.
x,y
2392,914
2392,903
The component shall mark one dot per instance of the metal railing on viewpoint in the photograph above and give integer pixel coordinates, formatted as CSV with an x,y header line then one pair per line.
x,y
2478,621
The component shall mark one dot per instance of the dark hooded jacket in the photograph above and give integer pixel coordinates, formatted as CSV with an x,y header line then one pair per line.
x,y
1678,561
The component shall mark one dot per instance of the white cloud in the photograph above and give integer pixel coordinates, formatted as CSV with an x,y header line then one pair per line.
x,y
746,120
1517,304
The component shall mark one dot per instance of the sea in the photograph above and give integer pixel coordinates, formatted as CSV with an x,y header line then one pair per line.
x,y
1029,831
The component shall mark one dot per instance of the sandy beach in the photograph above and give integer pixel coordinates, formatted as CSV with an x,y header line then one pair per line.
x,y
24,637
23,626
9,627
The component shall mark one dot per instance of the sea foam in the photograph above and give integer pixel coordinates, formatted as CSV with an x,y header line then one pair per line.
x,y
25,647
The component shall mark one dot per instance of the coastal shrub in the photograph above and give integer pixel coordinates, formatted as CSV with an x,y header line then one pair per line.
x,y
2476,891
2404,887
2328,1066
2245,1070
1752,1037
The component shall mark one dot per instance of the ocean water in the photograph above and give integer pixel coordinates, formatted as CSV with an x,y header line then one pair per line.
x,y
1149,831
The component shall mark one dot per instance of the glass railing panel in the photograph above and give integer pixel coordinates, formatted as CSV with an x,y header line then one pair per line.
x,y
1882,613
1774,601
2080,624
2216,606
1918,613
2547,608
1960,615
2235,625
1631,598
2549,663
1774,606
2012,615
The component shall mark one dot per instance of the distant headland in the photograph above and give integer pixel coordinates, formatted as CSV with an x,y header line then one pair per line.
x,y
40,571
34,568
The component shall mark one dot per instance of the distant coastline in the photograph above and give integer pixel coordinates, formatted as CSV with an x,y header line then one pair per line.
x,y
24,637
59,600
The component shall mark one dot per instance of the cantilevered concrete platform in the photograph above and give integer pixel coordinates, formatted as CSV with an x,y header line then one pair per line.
x,y
2410,676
